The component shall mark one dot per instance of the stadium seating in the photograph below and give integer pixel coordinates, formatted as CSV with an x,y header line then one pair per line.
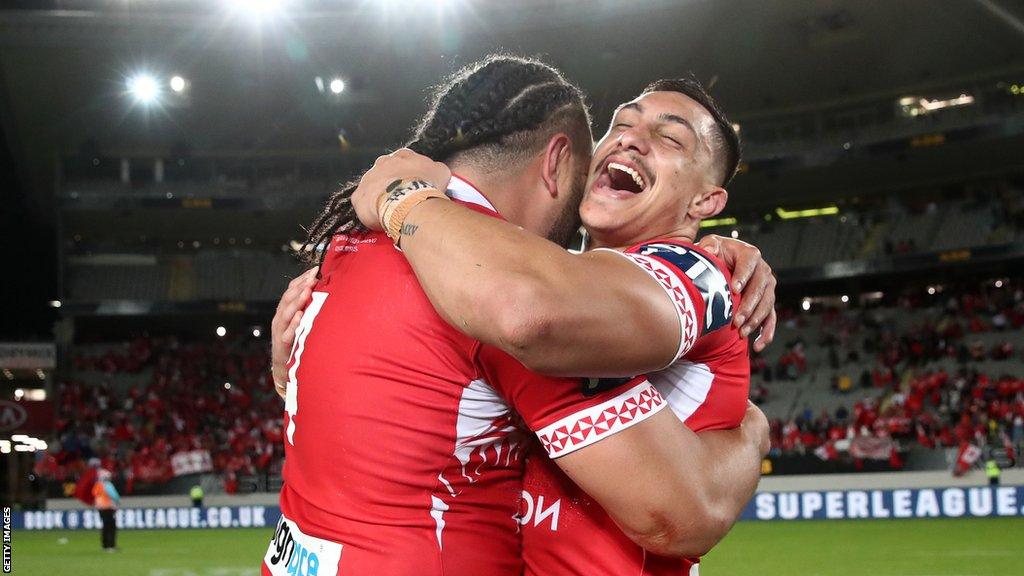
x,y
896,228
254,273
242,275
136,404
928,369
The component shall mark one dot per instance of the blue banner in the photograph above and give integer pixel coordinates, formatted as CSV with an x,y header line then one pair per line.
x,y
900,503
151,518
805,505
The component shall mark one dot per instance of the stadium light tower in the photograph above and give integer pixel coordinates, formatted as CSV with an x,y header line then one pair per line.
x,y
144,88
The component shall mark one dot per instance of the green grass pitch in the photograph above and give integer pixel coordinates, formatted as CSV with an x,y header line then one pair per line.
x,y
962,547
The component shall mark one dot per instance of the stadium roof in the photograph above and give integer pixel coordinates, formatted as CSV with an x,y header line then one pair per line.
x,y
251,84
249,80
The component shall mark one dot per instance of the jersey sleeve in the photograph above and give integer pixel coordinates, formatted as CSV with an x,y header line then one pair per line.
x,y
568,414
697,284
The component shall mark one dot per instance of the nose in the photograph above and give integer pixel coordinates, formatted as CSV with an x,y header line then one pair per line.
x,y
635,139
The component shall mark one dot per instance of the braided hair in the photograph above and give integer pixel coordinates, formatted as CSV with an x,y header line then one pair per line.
x,y
499,109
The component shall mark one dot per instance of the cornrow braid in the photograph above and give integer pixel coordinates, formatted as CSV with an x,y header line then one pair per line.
x,y
481,106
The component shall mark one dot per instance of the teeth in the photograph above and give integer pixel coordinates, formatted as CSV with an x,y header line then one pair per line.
x,y
632,173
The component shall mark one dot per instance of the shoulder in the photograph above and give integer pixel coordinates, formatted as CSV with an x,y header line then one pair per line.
x,y
707,275
688,258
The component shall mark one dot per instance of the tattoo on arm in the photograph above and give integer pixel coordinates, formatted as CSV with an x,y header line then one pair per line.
x,y
409,229
398,188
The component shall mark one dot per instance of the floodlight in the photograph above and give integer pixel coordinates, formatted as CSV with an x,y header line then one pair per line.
x,y
143,88
256,9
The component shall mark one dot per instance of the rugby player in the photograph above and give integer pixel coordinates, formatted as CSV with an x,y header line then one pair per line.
x,y
402,456
659,170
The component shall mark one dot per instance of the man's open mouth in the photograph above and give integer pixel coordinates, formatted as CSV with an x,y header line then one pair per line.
x,y
624,178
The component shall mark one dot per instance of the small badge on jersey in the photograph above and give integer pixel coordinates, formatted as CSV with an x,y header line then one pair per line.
x,y
293,553
594,386
709,280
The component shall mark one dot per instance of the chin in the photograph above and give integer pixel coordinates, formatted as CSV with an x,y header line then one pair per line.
x,y
602,225
594,217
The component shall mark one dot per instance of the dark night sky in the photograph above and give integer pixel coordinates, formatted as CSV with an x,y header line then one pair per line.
x,y
28,279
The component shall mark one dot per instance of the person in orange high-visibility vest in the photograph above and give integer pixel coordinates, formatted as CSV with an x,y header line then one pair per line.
x,y
106,500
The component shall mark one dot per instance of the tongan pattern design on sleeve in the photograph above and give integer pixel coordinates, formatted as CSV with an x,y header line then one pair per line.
x,y
696,284
589,425
676,290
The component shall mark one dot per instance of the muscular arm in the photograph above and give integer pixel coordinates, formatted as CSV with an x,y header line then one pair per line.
x,y
556,312
673,492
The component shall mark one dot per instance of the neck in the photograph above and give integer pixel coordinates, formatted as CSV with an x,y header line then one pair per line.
x,y
509,192
685,232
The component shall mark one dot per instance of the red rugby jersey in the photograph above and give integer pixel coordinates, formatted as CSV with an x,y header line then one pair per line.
x,y
403,437
566,533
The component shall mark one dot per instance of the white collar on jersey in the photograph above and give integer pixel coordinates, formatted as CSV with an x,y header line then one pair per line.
x,y
460,189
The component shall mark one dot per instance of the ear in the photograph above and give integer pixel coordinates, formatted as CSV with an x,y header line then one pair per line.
x,y
557,160
709,203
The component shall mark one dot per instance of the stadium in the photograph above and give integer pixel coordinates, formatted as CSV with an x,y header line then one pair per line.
x,y
164,164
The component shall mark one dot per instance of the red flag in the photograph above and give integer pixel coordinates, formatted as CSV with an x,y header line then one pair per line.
x,y
1011,452
83,488
827,451
968,455
923,438
895,461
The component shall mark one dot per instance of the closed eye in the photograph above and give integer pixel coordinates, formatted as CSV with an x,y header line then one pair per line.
x,y
674,141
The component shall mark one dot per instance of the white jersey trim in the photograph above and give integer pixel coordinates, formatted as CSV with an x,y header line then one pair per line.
x,y
459,189
485,431
291,399
685,386
437,510
670,282
590,425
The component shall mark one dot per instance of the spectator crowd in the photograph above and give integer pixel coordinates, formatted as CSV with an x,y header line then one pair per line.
x,y
213,396
912,359
919,381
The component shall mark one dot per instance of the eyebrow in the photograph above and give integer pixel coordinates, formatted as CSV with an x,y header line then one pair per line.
x,y
636,107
